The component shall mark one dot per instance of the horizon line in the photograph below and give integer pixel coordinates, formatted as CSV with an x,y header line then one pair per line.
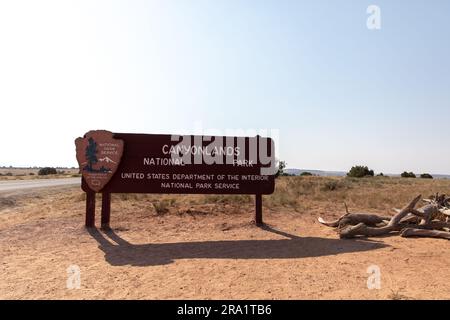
x,y
289,168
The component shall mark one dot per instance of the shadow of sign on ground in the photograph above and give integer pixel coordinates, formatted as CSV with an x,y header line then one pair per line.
x,y
293,247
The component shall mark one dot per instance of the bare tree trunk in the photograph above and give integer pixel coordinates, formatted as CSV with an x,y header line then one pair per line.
x,y
399,216
367,218
410,232
431,220
363,230
426,213
355,218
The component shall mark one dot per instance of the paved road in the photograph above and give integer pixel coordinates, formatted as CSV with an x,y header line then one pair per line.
x,y
16,185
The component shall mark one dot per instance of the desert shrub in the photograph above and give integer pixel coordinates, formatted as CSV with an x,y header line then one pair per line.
x,y
426,176
360,172
127,196
8,174
332,185
408,175
306,174
31,174
46,171
215,198
162,207
228,199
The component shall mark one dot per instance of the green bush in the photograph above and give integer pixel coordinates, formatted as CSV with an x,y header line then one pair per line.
x,y
46,171
408,175
426,176
360,172
306,174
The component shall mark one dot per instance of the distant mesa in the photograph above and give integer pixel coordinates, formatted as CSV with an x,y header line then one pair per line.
x,y
297,172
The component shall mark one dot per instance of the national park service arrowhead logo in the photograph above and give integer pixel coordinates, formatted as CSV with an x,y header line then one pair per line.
x,y
98,155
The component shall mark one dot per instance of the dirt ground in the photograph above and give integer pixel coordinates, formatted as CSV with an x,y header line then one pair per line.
x,y
203,251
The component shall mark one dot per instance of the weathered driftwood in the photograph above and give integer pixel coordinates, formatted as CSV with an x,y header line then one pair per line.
x,y
410,218
410,232
348,218
435,224
355,218
362,229
426,221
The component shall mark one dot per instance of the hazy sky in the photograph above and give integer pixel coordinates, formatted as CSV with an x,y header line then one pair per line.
x,y
339,93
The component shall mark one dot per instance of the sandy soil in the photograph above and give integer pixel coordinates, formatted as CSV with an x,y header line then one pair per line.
x,y
204,252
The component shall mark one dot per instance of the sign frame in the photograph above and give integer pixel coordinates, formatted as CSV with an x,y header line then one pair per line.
x,y
125,152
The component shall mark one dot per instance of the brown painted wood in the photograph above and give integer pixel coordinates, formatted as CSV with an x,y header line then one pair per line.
x,y
258,209
106,210
90,209
148,163
136,175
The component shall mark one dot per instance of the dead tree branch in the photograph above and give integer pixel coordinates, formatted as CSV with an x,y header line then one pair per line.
x,y
425,221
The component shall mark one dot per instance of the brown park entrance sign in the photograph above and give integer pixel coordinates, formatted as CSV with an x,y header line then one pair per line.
x,y
151,163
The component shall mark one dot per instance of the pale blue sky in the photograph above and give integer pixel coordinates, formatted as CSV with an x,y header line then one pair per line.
x,y
338,93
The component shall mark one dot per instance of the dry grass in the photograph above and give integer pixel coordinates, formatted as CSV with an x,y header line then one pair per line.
x,y
378,193
396,295
162,207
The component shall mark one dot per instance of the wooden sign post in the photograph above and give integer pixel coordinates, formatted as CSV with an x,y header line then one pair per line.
x,y
106,210
90,209
258,209
146,163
